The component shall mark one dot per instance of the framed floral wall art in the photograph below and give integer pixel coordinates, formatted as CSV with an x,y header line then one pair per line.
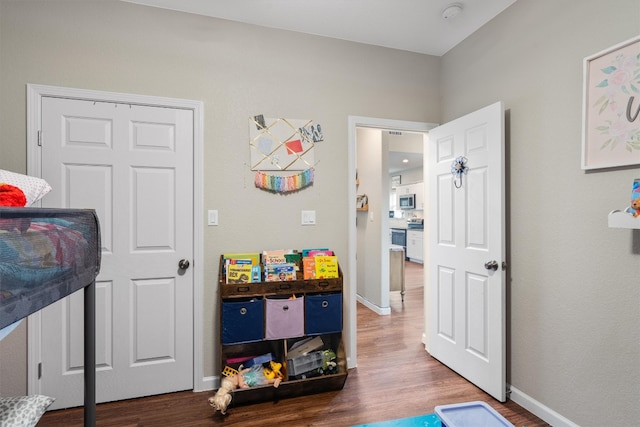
x,y
611,107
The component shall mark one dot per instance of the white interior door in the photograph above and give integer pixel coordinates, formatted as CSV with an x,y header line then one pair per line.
x,y
133,164
466,232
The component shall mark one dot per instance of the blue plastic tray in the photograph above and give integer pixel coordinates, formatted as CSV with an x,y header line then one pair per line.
x,y
470,414
429,420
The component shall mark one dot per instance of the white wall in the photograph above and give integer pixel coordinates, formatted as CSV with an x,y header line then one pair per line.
x,y
574,292
373,225
411,176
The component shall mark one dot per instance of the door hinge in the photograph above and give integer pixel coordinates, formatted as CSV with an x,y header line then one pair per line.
x,y
39,138
40,370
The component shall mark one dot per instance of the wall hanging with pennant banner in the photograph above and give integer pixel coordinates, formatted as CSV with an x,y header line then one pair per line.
x,y
284,184
281,145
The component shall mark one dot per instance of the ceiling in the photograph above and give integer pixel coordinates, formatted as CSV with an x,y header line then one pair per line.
x,y
396,161
411,25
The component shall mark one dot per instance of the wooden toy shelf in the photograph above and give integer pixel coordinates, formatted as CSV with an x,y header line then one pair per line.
x,y
234,297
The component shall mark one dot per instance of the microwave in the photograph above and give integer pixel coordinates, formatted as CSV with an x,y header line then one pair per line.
x,y
407,201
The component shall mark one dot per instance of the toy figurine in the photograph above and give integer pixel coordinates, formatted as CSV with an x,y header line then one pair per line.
x,y
635,207
273,371
246,378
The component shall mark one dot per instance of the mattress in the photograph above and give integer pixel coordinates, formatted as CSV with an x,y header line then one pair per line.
x,y
45,255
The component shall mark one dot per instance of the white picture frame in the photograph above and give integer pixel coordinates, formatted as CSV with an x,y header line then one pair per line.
x,y
611,107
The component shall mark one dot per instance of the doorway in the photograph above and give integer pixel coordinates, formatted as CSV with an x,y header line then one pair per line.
x,y
376,214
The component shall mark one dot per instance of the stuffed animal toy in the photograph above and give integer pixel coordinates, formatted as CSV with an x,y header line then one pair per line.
x,y
11,196
246,378
635,206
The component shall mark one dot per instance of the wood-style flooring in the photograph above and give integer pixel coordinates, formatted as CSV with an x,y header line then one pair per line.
x,y
395,378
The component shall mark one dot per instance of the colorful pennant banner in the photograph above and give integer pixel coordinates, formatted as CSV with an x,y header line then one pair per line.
x,y
284,184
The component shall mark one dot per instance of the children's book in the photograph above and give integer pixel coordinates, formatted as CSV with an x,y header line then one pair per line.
x,y
279,272
326,267
308,268
294,259
275,256
239,273
228,262
256,273
305,252
320,253
253,256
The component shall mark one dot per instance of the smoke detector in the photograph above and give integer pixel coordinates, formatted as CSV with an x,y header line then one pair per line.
x,y
451,11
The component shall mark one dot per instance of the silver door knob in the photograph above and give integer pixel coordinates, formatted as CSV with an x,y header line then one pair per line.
x,y
183,264
491,265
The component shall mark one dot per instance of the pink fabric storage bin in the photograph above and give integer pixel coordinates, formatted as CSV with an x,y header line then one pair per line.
x,y
284,318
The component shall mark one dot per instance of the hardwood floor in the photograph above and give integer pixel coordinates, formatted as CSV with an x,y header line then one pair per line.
x,y
395,378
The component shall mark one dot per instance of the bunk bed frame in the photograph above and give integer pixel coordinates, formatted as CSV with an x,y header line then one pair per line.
x,y
23,291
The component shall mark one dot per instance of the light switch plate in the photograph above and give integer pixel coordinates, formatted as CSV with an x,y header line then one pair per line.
x,y
212,217
308,218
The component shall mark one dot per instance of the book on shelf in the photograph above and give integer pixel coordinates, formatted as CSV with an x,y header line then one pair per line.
x,y
294,258
326,267
253,256
240,273
320,252
305,252
279,272
276,256
308,268
256,273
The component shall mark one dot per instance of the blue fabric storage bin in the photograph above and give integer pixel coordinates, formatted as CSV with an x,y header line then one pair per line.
x,y
242,321
323,314
285,318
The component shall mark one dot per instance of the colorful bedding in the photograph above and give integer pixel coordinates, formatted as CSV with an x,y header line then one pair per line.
x,y
45,254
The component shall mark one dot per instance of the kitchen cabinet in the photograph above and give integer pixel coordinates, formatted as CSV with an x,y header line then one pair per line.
x,y
415,248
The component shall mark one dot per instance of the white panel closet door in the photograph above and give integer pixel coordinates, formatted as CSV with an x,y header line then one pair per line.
x,y
133,164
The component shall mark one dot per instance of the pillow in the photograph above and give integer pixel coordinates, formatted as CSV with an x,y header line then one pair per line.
x,y
33,188
23,411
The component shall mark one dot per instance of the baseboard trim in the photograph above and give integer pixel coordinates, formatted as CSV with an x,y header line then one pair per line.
x,y
383,311
208,383
538,409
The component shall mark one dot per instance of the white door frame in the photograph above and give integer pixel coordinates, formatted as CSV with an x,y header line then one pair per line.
x,y
353,123
35,93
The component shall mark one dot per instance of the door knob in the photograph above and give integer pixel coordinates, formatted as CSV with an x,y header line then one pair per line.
x,y
183,264
491,265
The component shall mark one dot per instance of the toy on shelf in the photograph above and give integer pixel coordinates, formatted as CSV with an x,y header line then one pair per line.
x,y
274,372
634,209
229,371
629,217
246,378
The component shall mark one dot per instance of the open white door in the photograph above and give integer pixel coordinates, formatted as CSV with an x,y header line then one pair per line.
x,y
467,248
